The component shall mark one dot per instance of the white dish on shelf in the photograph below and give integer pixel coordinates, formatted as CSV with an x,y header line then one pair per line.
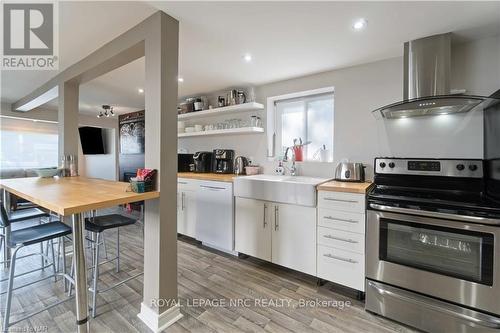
x,y
189,129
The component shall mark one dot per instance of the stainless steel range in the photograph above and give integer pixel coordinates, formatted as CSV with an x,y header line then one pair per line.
x,y
433,246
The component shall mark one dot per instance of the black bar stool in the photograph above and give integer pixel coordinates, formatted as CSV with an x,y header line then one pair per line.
x,y
20,238
18,216
97,225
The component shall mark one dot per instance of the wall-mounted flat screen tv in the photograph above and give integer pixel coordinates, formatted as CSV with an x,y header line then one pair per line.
x,y
91,140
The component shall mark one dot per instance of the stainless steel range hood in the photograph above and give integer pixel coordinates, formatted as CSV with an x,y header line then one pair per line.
x,y
426,84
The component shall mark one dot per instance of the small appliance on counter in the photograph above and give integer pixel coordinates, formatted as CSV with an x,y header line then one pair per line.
x,y
350,172
202,161
240,164
184,161
223,161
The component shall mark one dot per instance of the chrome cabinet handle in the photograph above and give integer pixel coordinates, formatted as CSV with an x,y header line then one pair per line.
x,y
265,214
182,200
331,256
347,240
276,218
340,200
184,183
339,219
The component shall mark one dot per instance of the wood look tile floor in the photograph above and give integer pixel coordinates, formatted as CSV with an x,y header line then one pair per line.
x,y
203,275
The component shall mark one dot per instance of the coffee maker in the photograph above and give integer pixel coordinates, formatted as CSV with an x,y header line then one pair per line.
x,y
223,161
202,161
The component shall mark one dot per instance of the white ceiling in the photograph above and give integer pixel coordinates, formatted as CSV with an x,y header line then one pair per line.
x,y
286,39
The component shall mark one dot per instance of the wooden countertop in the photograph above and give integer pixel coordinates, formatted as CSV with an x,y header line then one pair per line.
x,y
349,187
71,195
219,177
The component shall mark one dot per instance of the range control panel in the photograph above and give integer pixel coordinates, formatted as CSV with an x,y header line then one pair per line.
x,y
429,167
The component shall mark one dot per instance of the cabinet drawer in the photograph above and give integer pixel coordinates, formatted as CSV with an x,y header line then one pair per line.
x,y
342,240
340,220
342,267
349,202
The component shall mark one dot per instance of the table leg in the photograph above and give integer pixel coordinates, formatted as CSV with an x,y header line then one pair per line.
x,y
82,311
6,250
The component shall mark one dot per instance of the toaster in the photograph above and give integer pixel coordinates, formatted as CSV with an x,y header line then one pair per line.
x,y
350,172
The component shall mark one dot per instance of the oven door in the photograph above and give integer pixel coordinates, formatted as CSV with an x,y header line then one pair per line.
x,y
448,259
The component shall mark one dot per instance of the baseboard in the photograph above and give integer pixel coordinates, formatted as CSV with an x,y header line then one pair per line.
x,y
158,322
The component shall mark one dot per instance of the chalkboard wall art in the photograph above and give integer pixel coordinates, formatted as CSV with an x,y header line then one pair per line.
x,y
131,126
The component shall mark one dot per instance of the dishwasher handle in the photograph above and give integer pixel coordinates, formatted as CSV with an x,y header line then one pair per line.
x,y
214,188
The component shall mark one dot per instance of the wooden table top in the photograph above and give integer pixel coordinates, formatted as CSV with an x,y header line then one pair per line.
x,y
220,177
71,195
349,187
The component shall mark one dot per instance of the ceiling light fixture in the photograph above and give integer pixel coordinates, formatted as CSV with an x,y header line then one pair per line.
x,y
359,24
247,57
140,90
108,111
180,79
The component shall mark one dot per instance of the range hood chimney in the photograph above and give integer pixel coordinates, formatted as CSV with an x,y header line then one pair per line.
x,y
426,82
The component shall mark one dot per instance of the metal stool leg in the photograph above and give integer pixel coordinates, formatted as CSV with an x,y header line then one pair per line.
x,y
63,240
117,250
51,243
104,245
96,276
9,289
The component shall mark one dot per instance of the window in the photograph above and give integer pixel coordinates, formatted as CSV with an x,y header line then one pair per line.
x,y
25,144
306,117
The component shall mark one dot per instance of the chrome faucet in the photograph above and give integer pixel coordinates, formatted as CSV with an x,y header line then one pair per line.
x,y
293,168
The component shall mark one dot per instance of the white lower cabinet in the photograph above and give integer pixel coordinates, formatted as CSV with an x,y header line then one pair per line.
x,y
294,237
186,207
342,267
281,233
253,228
341,238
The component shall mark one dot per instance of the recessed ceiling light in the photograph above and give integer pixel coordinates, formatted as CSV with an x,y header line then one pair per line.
x,y
140,90
247,57
180,79
359,24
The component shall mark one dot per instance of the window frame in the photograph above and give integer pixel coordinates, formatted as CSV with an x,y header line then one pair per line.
x,y
272,114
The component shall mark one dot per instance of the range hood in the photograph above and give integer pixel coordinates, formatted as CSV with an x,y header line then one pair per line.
x,y
426,82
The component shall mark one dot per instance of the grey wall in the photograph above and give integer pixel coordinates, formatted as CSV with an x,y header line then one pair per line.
x,y
358,136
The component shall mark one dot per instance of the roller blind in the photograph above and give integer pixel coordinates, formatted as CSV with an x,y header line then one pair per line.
x,y
26,144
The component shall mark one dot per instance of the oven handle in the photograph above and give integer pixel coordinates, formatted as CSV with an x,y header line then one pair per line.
x,y
441,307
473,219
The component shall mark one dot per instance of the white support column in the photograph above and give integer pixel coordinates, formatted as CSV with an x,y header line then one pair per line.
x,y
160,235
68,118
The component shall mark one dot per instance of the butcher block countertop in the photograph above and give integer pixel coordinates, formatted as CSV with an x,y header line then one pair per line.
x,y
336,186
71,195
218,177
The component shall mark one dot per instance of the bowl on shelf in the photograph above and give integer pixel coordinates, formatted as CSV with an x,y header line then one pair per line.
x,y
47,172
198,128
189,129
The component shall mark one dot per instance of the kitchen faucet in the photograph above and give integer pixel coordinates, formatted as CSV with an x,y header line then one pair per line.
x,y
293,168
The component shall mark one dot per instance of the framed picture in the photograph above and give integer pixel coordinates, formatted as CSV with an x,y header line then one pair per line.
x,y
131,127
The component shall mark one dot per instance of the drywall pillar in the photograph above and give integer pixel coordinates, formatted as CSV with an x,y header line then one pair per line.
x,y
68,118
160,308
